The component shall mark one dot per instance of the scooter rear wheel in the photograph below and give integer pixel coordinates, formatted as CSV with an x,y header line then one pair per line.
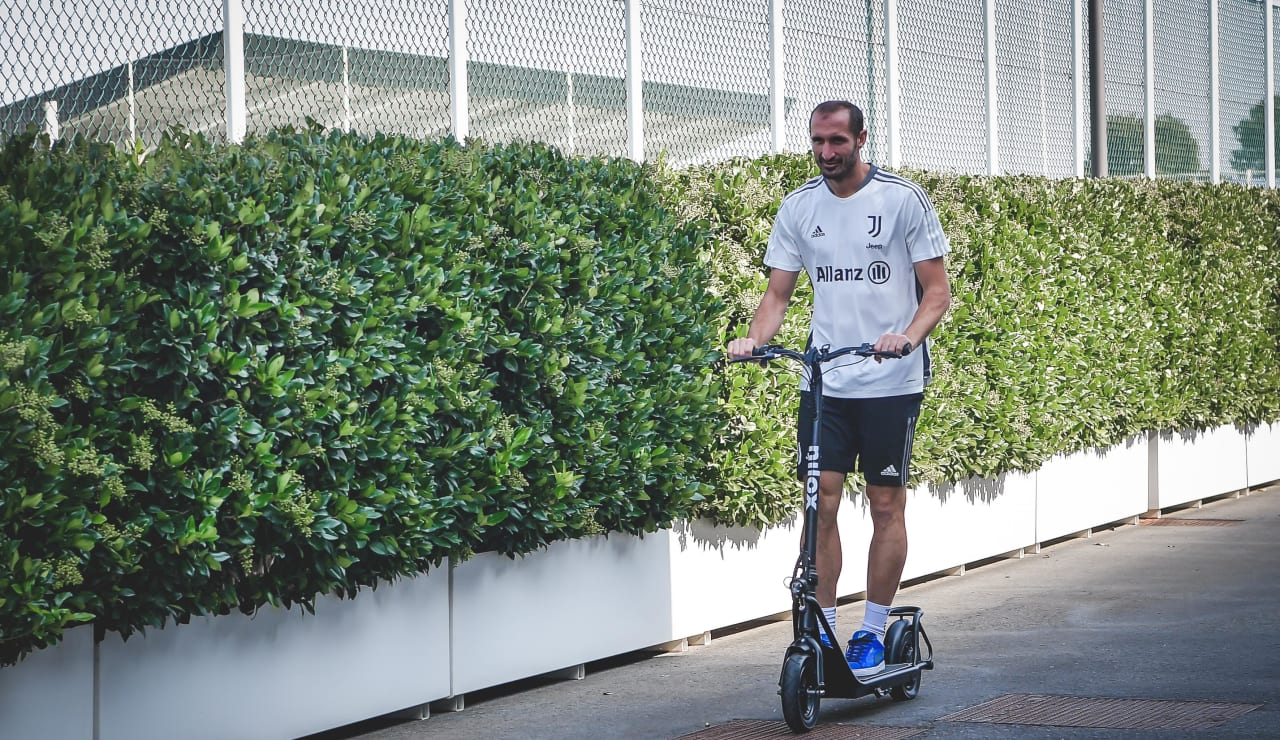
x,y
799,690
900,647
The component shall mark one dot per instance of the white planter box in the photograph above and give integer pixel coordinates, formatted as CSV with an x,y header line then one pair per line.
x,y
50,693
855,537
768,585
722,576
950,526
1262,453
1091,488
1189,466
281,673
492,619
568,604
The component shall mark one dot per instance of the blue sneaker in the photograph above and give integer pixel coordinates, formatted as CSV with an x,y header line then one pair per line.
x,y
826,639
865,654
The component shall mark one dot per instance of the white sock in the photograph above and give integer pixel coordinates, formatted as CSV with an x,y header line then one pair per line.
x,y
830,613
875,618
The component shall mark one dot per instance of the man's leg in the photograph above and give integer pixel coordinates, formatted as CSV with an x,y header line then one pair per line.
x,y
885,558
887,432
830,555
888,552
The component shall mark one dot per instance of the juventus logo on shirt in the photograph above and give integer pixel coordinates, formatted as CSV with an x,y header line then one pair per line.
x,y
875,225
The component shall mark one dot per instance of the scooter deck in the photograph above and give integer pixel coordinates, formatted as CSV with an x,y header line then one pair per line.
x,y
840,683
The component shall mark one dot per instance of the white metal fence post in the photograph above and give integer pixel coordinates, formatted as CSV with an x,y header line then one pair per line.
x,y
1215,105
777,75
993,114
346,89
571,114
233,69
1044,99
1077,86
52,126
459,117
133,110
891,116
635,83
1268,100
1149,79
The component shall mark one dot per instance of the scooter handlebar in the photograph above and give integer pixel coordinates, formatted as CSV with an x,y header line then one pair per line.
x,y
764,353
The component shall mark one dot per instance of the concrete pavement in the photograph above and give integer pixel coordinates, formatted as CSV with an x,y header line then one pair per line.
x,y
1182,612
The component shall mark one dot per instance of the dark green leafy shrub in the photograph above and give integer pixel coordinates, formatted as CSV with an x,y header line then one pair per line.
x,y
237,376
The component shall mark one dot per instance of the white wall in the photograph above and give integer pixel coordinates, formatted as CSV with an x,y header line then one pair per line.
x,y
50,693
1189,466
1262,453
569,603
280,673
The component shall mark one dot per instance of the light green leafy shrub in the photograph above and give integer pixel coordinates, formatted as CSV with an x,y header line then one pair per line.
x,y
1084,312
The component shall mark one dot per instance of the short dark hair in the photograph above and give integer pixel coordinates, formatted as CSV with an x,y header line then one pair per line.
x,y
835,106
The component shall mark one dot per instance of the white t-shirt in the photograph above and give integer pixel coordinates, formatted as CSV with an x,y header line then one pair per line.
x,y
860,253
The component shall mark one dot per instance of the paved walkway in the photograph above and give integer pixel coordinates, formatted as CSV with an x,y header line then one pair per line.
x,y
1177,612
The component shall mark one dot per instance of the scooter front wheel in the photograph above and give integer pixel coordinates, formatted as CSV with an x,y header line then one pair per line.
x,y
799,690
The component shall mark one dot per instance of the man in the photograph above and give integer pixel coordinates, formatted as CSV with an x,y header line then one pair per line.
x,y
873,247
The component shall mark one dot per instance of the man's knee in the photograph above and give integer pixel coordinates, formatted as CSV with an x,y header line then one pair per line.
x,y
887,504
829,492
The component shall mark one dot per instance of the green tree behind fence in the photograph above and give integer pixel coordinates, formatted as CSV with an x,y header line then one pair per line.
x,y
1177,152
1251,154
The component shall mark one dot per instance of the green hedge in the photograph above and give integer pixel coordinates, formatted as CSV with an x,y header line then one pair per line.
x,y
233,376
237,376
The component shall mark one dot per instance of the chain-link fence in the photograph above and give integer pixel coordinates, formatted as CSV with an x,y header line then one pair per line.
x,y
1035,90
1270,100
706,78
1182,89
356,64
550,71
1123,44
119,70
1242,89
968,85
943,84
840,60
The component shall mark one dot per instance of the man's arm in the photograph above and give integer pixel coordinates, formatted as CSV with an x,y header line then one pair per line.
x,y
769,314
934,302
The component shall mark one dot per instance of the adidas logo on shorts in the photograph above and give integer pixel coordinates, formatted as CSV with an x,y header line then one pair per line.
x,y
889,471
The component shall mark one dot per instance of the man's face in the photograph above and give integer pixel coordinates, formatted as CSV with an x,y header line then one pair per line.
x,y
835,148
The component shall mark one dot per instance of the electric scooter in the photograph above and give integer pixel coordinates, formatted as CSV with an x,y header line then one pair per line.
x,y
811,669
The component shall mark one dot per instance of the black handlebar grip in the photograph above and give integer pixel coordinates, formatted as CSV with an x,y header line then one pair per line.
x,y
906,349
758,354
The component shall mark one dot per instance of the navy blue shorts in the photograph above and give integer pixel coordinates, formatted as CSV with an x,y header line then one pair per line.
x,y
873,433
